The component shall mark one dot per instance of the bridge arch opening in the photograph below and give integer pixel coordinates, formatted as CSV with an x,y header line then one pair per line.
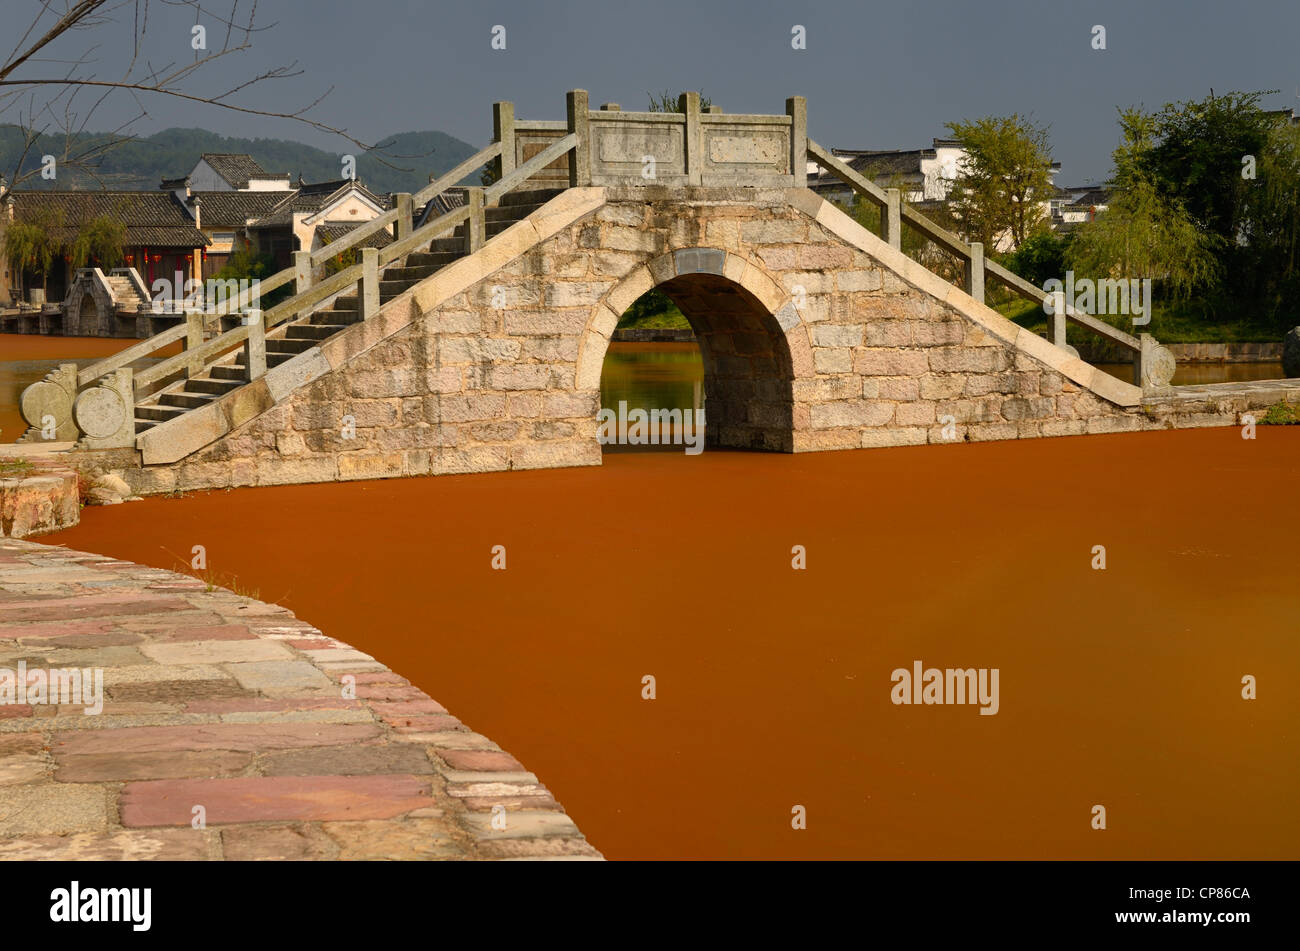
x,y
742,377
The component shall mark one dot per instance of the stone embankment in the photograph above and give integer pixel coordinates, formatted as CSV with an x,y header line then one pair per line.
x,y
230,729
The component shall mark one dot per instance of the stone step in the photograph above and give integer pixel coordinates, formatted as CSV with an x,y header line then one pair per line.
x,y
536,196
186,400
435,260
214,383
142,424
287,346
337,317
416,272
312,332
156,413
228,372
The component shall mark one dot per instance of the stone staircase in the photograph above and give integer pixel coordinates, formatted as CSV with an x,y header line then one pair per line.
x,y
125,294
296,336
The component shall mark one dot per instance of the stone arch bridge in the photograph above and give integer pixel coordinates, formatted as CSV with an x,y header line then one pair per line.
x,y
474,341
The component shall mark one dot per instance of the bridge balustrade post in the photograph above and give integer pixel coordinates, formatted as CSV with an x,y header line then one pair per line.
x,y
302,271
579,123
255,345
1058,318
403,225
475,226
368,294
796,107
503,131
693,142
193,340
891,218
975,271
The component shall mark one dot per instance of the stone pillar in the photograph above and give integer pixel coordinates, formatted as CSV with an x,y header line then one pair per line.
x,y
302,271
975,271
402,226
579,122
689,104
255,345
891,218
503,131
796,107
105,412
1058,318
368,295
475,226
193,340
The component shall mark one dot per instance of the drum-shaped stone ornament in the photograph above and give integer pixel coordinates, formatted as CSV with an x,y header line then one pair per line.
x,y
1160,370
44,398
1070,350
100,412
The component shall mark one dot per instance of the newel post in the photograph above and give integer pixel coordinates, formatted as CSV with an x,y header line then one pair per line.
x,y
368,295
796,107
402,226
689,104
891,218
975,271
580,124
302,271
255,344
503,131
193,340
475,226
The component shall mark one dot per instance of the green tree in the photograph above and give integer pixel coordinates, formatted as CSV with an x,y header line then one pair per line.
x,y
1146,232
30,247
1004,181
101,241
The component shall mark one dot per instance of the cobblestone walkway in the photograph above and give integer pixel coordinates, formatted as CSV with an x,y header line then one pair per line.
x,y
226,709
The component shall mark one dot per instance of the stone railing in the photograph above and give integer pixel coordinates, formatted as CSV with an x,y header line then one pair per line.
x,y
1153,364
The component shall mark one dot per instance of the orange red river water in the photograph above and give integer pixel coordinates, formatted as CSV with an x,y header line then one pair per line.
x,y
1119,687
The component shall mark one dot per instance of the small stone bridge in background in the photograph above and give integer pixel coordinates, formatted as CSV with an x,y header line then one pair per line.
x,y
474,341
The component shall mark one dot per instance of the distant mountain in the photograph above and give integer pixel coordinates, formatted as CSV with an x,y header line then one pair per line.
x,y
142,163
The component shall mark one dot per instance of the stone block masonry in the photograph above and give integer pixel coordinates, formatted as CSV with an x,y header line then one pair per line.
x,y
815,335
294,745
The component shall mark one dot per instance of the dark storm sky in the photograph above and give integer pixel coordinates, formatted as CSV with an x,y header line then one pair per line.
x,y
876,75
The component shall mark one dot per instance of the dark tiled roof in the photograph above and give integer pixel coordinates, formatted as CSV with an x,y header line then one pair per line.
x,y
153,218
333,230
235,167
236,209
311,198
449,200
1097,196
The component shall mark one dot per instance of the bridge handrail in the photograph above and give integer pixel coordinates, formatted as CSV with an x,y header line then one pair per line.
x,y
952,243
169,336
423,196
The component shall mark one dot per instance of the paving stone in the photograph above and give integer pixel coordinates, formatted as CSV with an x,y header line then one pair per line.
x,y
279,675
216,652
347,761
23,768
410,840
480,760
272,798
529,824
121,767
175,691
287,843
184,845
549,847
52,809
214,736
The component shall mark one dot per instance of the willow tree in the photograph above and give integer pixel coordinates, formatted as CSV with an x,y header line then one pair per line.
x,y
101,240
29,247
1145,232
